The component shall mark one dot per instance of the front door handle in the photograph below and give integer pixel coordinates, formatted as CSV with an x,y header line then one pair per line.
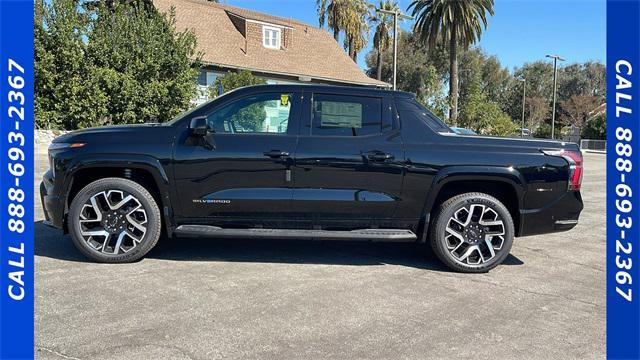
x,y
379,156
276,154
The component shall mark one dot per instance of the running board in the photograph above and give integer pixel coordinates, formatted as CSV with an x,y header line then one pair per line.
x,y
362,234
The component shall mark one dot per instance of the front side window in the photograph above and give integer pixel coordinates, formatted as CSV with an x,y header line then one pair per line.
x,y
257,114
271,37
336,115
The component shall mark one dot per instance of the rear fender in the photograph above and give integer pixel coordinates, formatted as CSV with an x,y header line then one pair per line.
x,y
507,175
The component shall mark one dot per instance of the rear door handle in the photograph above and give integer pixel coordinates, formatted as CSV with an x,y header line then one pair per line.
x,y
379,156
276,154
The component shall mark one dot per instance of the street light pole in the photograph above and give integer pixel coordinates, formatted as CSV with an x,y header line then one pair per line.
x,y
524,97
396,15
395,50
555,85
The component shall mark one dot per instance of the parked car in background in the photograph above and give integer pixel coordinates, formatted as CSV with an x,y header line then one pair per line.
x,y
315,162
463,131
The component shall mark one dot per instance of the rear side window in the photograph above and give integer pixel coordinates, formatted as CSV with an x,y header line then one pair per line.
x,y
434,122
337,115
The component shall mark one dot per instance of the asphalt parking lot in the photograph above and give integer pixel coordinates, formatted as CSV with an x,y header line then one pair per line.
x,y
256,299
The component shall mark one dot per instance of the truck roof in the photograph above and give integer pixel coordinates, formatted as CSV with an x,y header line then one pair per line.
x,y
350,90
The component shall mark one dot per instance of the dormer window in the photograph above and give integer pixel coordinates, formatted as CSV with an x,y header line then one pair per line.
x,y
271,37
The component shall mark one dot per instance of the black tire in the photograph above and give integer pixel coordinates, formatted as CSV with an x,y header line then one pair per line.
x,y
438,232
145,199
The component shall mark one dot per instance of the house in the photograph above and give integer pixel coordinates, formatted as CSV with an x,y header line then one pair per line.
x,y
277,49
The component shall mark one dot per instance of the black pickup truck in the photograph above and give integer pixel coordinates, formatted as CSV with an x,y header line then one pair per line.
x,y
314,162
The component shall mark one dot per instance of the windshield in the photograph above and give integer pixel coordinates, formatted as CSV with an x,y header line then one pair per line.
x,y
188,112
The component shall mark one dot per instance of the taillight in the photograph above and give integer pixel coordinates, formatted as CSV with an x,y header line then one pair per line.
x,y
575,165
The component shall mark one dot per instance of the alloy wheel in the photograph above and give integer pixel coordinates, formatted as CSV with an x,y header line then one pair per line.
x,y
474,234
113,222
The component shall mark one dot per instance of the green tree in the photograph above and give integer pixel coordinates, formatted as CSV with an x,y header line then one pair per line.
x,y
383,27
595,128
581,87
485,117
481,73
582,79
121,62
483,81
539,83
478,111
38,10
460,23
418,71
496,79
543,131
142,63
66,93
537,112
233,80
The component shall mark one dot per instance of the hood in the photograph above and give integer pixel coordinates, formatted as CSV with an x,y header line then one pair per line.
x,y
115,130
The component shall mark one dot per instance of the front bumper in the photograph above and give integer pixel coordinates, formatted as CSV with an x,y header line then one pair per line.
x,y
560,215
52,204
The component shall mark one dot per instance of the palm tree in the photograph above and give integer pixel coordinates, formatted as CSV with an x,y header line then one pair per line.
x,y
382,35
349,16
460,22
331,11
356,27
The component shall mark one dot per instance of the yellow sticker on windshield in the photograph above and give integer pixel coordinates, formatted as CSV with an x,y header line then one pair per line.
x,y
284,100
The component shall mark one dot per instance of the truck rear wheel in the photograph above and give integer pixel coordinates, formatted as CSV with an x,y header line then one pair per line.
x,y
114,220
472,233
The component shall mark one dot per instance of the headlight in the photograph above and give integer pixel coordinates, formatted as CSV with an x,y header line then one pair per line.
x,y
59,145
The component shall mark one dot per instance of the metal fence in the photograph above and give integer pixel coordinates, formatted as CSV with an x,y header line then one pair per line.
x,y
594,145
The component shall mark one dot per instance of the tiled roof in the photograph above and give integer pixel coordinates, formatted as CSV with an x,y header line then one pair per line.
x,y
312,52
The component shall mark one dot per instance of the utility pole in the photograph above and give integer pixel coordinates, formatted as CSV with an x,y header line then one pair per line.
x,y
396,15
524,97
555,85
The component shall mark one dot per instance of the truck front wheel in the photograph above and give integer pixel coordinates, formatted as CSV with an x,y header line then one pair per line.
x,y
114,220
472,232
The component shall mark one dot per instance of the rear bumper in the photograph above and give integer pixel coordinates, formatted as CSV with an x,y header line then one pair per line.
x,y
560,215
53,205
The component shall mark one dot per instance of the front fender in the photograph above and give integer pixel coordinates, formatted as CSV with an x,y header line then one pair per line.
x,y
125,161
133,161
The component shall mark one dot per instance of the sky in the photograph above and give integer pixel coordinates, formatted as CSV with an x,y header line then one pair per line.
x,y
521,31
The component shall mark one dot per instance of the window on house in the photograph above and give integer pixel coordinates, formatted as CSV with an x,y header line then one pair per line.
x,y
271,37
206,78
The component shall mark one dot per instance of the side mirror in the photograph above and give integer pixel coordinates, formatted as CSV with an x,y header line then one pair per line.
x,y
199,126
